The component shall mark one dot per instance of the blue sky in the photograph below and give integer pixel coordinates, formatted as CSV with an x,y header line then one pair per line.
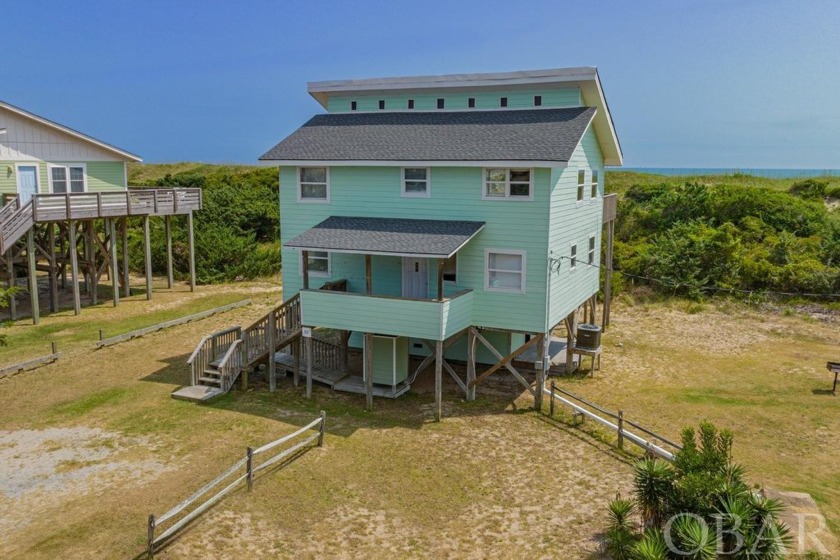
x,y
690,83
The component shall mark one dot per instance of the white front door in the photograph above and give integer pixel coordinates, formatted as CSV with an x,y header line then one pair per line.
x,y
415,278
27,182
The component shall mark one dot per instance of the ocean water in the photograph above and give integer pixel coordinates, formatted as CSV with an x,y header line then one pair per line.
x,y
758,172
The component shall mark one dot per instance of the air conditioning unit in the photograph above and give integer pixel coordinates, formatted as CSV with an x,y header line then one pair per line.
x,y
588,336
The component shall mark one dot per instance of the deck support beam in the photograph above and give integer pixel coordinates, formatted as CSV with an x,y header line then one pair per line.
x,y
307,342
368,275
571,333
504,361
126,279
191,243
12,282
272,363
147,256
605,317
111,229
170,277
297,350
471,341
438,380
304,258
368,369
52,262
74,267
33,279
541,367
93,277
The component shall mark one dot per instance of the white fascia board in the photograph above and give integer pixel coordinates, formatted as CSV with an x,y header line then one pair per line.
x,y
69,131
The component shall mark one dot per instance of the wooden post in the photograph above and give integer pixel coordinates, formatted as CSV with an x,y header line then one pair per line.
x,y
321,429
368,275
249,465
297,350
440,279
147,256
151,535
571,325
33,280
191,243
551,402
53,264
74,269
471,341
621,429
605,318
54,347
170,277
115,273
126,282
304,258
271,341
438,379
368,370
12,282
92,268
542,348
308,344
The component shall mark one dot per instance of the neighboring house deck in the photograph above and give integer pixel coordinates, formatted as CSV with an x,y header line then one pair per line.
x,y
58,183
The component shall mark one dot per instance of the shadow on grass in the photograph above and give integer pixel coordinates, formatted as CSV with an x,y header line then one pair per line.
x,y
823,392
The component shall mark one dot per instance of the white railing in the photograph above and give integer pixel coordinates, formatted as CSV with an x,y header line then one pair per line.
x,y
154,543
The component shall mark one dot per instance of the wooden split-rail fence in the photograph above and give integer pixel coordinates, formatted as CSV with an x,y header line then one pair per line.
x,y
243,470
614,421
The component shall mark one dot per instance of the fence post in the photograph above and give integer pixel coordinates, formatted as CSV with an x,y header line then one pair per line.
x,y
321,429
621,429
151,536
101,334
54,347
250,467
551,402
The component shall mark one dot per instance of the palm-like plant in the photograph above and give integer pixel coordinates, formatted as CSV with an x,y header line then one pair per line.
x,y
652,546
620,536
654,483
692,539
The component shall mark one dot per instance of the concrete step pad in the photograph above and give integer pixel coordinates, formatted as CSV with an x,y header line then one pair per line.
x,y
197,393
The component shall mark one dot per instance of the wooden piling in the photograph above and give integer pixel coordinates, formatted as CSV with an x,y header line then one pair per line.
x,y
74,268
368,370
191,243
308,344
126,282
438,380
53,266
471,342
272,341
170,277
12,282
33,279
147,252
111,226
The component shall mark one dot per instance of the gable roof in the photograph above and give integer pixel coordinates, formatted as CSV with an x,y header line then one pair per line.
x,y
387,236
586,78
128,156
531,135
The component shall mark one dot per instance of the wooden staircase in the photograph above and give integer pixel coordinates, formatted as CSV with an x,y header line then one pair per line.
x,y
15,221
220,357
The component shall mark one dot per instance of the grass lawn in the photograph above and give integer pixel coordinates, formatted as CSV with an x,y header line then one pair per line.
x,y
92,444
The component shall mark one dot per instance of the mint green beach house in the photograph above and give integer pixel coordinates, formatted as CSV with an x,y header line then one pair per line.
x,y
446,218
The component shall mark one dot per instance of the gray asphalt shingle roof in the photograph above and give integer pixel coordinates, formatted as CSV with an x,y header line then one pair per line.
x,y
515,135
393,236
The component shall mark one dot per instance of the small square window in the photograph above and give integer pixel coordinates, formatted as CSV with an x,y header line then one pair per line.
x,y
504,271
581,184
440,103
415,181
381,104
591,256
313,184
594,193
573,257
507,183
471,102
411,104
503,102
537,100
353,105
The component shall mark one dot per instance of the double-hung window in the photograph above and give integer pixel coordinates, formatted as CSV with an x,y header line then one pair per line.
x,y
313,184
319,264
594,193
581,185
504,271
573,257
512,184
591,256
415,182
70,177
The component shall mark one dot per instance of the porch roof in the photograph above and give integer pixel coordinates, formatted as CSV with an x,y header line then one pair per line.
x,y
387,236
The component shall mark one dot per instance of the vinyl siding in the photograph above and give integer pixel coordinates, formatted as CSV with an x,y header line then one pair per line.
x,y
573,222
455,195
517,99
102,176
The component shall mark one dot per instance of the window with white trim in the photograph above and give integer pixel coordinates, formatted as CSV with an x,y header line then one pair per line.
x,y
68,178
573,257
514,184
594,193
591,256
415,181
581,183
450,269
319,264
504,271
313,184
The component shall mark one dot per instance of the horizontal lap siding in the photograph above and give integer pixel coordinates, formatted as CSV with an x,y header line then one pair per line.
x,y
455,195
564,97
102,176
574,222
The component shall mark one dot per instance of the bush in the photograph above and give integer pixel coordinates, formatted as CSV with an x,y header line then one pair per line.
x,y
809,189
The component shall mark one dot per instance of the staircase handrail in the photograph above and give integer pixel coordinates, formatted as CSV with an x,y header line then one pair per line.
x,y
231,365
9,209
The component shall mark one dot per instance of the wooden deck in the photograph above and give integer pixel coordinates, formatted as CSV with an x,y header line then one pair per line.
x,y
355,384
321,374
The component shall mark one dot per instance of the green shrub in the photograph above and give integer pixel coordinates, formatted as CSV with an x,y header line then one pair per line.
x,y
809,188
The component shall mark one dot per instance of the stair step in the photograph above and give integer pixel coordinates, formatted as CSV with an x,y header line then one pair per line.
x,y
211,380
212,373
215,363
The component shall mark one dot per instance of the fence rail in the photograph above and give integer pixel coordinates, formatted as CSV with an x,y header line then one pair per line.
x,y
248,462
577,404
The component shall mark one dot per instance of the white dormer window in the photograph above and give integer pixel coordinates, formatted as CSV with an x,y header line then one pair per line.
x,y
594,193
313,184
510,184
581,184
415,182
68,178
